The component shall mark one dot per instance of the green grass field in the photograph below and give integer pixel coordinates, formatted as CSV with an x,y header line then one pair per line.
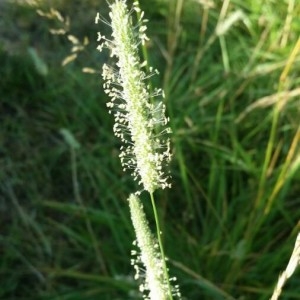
x,y
231,72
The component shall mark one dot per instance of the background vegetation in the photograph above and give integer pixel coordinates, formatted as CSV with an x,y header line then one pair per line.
x,y
231,80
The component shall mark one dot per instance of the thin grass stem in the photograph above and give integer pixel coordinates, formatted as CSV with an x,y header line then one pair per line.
x,y
161,248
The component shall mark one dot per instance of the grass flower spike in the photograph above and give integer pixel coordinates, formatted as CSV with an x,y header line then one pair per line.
x,y
156,280
140,120
141,124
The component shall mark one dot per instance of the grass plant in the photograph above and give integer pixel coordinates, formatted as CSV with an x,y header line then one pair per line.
x,y
230,73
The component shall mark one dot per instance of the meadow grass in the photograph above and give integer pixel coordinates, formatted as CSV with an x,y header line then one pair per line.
x,y
230,72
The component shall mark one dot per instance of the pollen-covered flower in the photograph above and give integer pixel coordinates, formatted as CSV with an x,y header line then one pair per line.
x,y
140,120
155,282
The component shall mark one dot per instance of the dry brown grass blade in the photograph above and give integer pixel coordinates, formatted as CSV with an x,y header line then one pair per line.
x,y
268,101
290,269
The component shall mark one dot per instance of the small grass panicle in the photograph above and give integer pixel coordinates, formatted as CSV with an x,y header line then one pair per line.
x,y
156,281
140,122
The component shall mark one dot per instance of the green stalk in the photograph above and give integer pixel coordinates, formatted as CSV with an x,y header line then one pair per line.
x,y
161,248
